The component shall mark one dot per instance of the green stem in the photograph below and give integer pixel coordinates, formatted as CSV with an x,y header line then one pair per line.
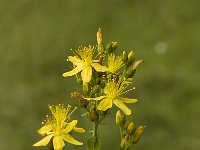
x,y
97,143
96,127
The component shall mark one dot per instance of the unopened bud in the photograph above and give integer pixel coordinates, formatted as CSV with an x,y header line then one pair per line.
x,y
131,57
130,73
125,142
137,63
111,47
114,45
124,56
131,127
120,119
138,133
99,37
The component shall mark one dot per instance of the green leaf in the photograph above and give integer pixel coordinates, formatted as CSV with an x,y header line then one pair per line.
x,y
93,143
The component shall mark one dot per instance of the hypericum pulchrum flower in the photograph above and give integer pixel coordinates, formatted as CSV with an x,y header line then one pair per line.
x,y
58,127
114,63
84,62
113,91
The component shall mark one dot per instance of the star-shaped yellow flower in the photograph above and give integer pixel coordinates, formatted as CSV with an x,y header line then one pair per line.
x,y
84,63
58,128
112,92
114,63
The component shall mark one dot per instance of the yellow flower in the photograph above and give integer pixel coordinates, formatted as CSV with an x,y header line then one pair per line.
x,y
112,92
58,128
114,63
85,64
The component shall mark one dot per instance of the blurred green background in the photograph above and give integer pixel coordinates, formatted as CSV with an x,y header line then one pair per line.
x,y
36,37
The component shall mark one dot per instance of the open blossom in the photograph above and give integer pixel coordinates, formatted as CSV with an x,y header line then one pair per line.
x,y
114,63
112,92
58,128
84,64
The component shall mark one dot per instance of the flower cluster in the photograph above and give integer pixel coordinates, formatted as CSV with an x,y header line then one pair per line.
x,y
105,77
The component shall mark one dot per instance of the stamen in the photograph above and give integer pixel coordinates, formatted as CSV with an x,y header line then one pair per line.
x,y
72,111
128,90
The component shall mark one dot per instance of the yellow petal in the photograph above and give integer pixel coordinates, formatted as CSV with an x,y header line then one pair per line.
x,y
79,130
70,126
99,68
68,138
107,90
95,61
86,74
44,130
96,98
105,104
128,100
72,72
75,60
44,141
122,106
110,86
58,143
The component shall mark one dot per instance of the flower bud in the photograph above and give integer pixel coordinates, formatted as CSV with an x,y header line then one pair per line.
x,y
111,47
124,56
99,37
130,73
114,45
138,133
137,63
125,143
120,119
131,127
131,57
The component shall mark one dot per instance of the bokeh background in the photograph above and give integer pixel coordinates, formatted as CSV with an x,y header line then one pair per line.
x,y
36,37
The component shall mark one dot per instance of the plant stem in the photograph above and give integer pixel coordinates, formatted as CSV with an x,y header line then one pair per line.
x,y
96,143
96,127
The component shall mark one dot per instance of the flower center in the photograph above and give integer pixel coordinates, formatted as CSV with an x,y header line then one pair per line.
x,y
86,54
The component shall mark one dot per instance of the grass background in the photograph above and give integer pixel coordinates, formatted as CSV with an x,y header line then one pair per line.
x,y
36,37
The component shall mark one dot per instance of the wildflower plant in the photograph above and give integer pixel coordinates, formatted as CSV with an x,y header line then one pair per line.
x,y
105,77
